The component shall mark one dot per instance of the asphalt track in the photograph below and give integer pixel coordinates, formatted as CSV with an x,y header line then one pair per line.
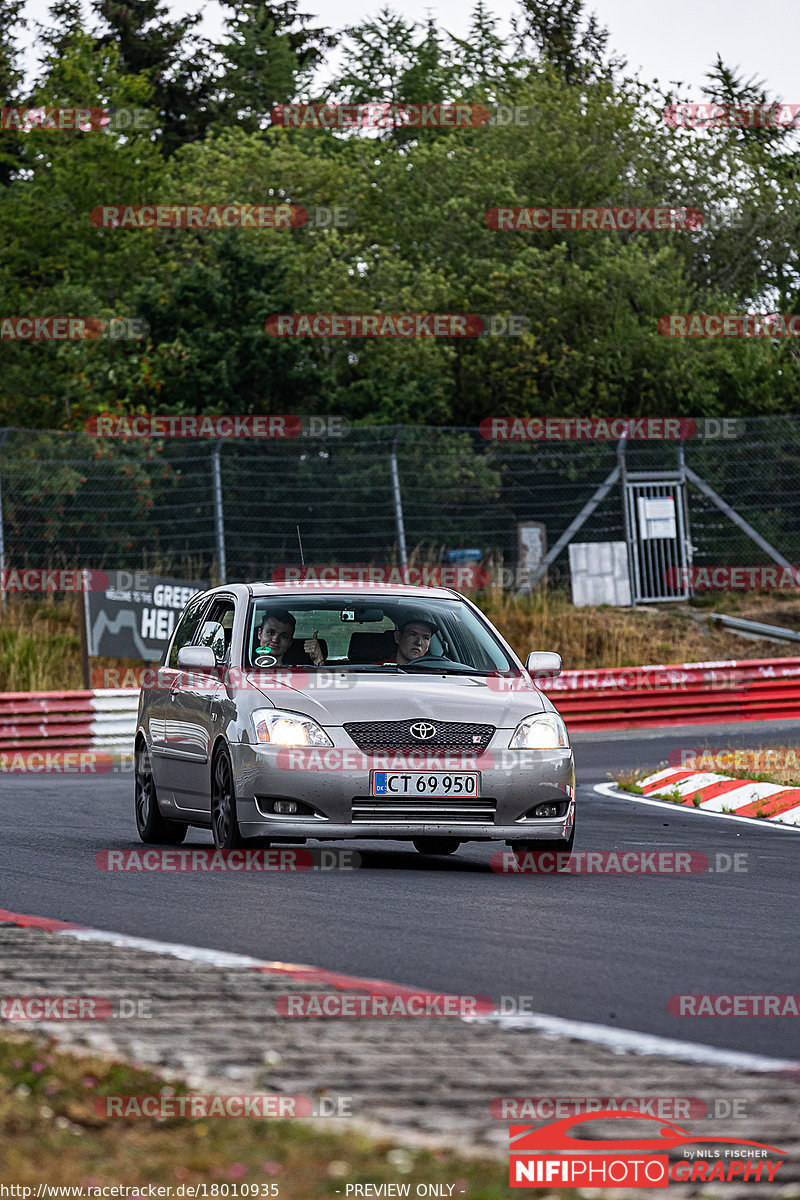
x,y
607,949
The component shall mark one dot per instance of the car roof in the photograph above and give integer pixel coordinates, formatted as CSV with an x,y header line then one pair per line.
x,y
311,588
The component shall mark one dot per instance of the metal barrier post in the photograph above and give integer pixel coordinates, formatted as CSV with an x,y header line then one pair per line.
x,y
398,505
3,435
219,523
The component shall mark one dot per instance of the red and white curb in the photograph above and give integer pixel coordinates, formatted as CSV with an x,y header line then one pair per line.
x,y
719,793
620,1041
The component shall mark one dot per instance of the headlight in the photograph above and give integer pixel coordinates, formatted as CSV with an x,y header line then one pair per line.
x,y
274,727
545,731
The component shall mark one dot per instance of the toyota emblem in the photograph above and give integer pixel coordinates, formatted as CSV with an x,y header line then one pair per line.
x,y
423,731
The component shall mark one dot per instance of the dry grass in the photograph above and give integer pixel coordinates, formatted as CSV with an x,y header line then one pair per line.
x,y
631,780
50,1133
622,637
763,764
40,646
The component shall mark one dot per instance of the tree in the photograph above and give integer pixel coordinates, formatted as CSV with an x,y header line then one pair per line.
x,y
269,56
485,66
174,62
559,33
11,79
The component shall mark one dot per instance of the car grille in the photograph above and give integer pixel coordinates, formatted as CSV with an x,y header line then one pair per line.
x,y
395,735
382,810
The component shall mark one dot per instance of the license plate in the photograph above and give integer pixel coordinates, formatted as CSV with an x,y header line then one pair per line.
x,y
407,784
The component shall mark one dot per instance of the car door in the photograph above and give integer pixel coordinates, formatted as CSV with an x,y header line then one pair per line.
x,y
193,712
157,706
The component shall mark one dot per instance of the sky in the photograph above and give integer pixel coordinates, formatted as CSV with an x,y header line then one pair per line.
x,y
673,41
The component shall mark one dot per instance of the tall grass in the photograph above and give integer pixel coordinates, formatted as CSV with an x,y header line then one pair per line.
x,y
613,637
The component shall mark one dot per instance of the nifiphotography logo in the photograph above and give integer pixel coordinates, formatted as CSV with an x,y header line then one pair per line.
x,y
549,1156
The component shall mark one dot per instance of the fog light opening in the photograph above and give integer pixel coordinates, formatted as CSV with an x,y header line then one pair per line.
x,y
550,809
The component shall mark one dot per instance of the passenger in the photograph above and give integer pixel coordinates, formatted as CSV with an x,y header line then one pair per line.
x,y
413,638
276,634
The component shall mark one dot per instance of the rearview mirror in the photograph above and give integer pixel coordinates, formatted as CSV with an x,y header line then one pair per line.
x,y
543,662
197,658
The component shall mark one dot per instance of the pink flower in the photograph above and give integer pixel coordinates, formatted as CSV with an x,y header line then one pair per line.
x,y
271,1168
89,1081
237,1170
37,1067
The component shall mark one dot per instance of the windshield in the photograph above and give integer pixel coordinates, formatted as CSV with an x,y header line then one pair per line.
x,y
372,633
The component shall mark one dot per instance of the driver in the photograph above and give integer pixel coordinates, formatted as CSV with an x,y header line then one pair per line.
x,y
276,634
413,638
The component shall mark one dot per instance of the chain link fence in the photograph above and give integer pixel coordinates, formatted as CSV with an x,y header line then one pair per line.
x,y
72,500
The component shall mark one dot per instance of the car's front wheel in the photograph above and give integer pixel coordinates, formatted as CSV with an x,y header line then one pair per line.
x,y
152,826
224,819
551,845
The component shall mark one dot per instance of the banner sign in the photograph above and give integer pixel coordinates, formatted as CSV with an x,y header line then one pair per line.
x,y
135,614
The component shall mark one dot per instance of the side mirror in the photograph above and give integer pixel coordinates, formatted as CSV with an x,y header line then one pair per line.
x,y
197,658
543,662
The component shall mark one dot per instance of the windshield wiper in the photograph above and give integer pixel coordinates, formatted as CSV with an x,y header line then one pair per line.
x,y
361,667
447,668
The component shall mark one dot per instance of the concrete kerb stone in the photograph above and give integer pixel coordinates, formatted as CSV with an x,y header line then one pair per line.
x,y
425,1082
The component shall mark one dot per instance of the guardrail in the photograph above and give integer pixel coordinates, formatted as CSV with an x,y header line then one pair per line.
x,y
756,630
679,694
617,698
91,720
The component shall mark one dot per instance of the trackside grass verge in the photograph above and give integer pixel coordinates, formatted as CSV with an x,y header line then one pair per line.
x,y
50,1133
706,760
629,781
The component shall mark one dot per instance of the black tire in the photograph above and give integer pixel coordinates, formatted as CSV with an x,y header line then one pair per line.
x,y
553,846
152,826
436,845
224,819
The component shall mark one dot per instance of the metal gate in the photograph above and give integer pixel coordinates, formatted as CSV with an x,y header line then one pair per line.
x,y
657,533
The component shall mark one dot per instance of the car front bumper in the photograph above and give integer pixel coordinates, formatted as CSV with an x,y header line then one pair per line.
x,y
344,807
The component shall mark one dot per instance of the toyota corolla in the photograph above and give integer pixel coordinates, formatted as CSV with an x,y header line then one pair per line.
x,y
282,713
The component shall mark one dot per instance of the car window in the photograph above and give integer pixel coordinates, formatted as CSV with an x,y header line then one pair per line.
x,y
359,631
187,627
217,628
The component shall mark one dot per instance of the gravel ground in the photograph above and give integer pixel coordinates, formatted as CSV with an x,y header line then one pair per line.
x,y
427,1081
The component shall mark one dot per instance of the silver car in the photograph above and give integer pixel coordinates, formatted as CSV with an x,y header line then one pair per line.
x,y
287,712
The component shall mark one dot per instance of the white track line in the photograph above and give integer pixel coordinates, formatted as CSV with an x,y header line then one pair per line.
x,y
632,1042
615,793
619,1040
